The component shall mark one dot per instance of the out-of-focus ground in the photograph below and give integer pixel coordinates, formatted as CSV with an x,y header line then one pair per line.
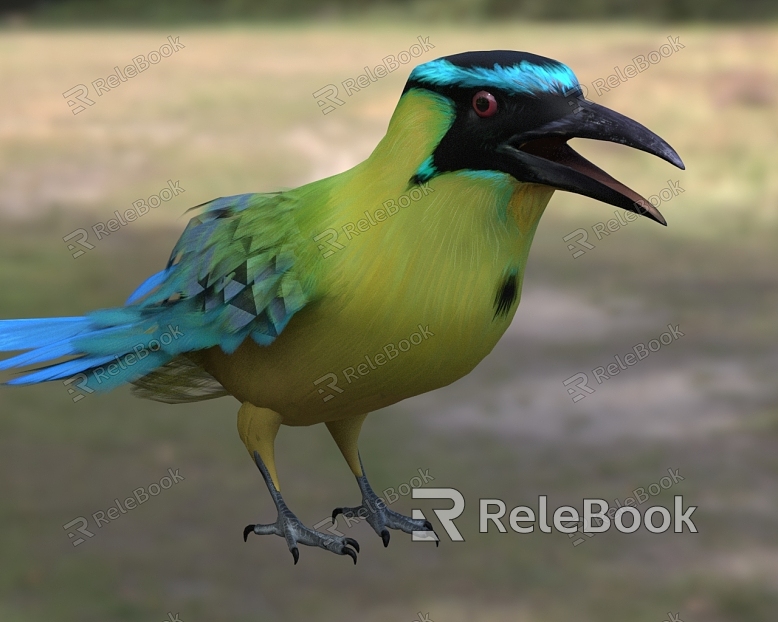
x,y
233,112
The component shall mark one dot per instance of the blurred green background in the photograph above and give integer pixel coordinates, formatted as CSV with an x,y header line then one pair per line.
x,y
233,112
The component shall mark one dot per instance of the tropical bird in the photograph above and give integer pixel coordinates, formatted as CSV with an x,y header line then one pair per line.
x,y
327,302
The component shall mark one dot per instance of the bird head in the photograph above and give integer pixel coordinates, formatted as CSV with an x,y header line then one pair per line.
x,y
513,112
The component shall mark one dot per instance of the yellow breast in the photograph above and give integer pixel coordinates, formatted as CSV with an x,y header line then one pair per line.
x,y
406,280
410,287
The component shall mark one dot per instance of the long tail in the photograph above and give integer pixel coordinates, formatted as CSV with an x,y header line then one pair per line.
x,y
110,347
223,283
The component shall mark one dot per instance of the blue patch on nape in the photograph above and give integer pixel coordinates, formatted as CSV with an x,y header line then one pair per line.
x,y
525,77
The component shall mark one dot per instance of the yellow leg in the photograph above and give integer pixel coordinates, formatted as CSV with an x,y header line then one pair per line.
x,y
346,433
258,428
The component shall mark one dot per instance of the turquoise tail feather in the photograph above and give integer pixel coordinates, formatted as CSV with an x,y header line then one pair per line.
x,y
231,276
107,355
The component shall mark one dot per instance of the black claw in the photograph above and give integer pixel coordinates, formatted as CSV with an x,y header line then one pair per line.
x,y
352,542
350,553
247,531
295,554
335,513
428,527
385,537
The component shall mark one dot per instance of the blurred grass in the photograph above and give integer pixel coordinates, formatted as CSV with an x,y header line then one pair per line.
x,y
233,112
145,12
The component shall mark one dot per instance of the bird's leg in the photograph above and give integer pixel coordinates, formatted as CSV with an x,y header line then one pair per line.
x,y
258,428
345,432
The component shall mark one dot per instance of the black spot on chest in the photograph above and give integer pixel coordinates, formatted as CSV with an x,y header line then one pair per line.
x,y
506,296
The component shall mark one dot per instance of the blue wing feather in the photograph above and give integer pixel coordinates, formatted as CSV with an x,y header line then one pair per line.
x,y
230,276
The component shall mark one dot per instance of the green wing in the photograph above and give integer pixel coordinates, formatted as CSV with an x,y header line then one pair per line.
x,y
233,274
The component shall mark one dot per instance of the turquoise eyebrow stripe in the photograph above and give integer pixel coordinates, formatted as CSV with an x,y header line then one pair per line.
x,y
524,78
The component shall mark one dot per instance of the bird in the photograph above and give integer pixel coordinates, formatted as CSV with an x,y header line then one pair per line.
x,y
330,301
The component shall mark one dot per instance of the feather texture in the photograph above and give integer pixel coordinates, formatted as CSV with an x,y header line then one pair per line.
x,y
231,276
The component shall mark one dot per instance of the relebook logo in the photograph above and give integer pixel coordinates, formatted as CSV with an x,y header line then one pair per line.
x,y
597,516
522,518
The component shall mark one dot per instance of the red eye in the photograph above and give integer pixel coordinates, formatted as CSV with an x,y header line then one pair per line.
x,y
484,104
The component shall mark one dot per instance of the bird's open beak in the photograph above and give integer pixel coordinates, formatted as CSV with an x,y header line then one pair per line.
x,y
543,156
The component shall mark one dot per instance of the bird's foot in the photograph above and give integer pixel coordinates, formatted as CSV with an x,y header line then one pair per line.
x,y
294,532
381,518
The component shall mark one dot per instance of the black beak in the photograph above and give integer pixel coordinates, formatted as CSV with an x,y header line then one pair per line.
x,y
543,156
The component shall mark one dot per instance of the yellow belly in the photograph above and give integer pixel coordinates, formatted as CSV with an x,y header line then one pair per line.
x,y
410,308
321,369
